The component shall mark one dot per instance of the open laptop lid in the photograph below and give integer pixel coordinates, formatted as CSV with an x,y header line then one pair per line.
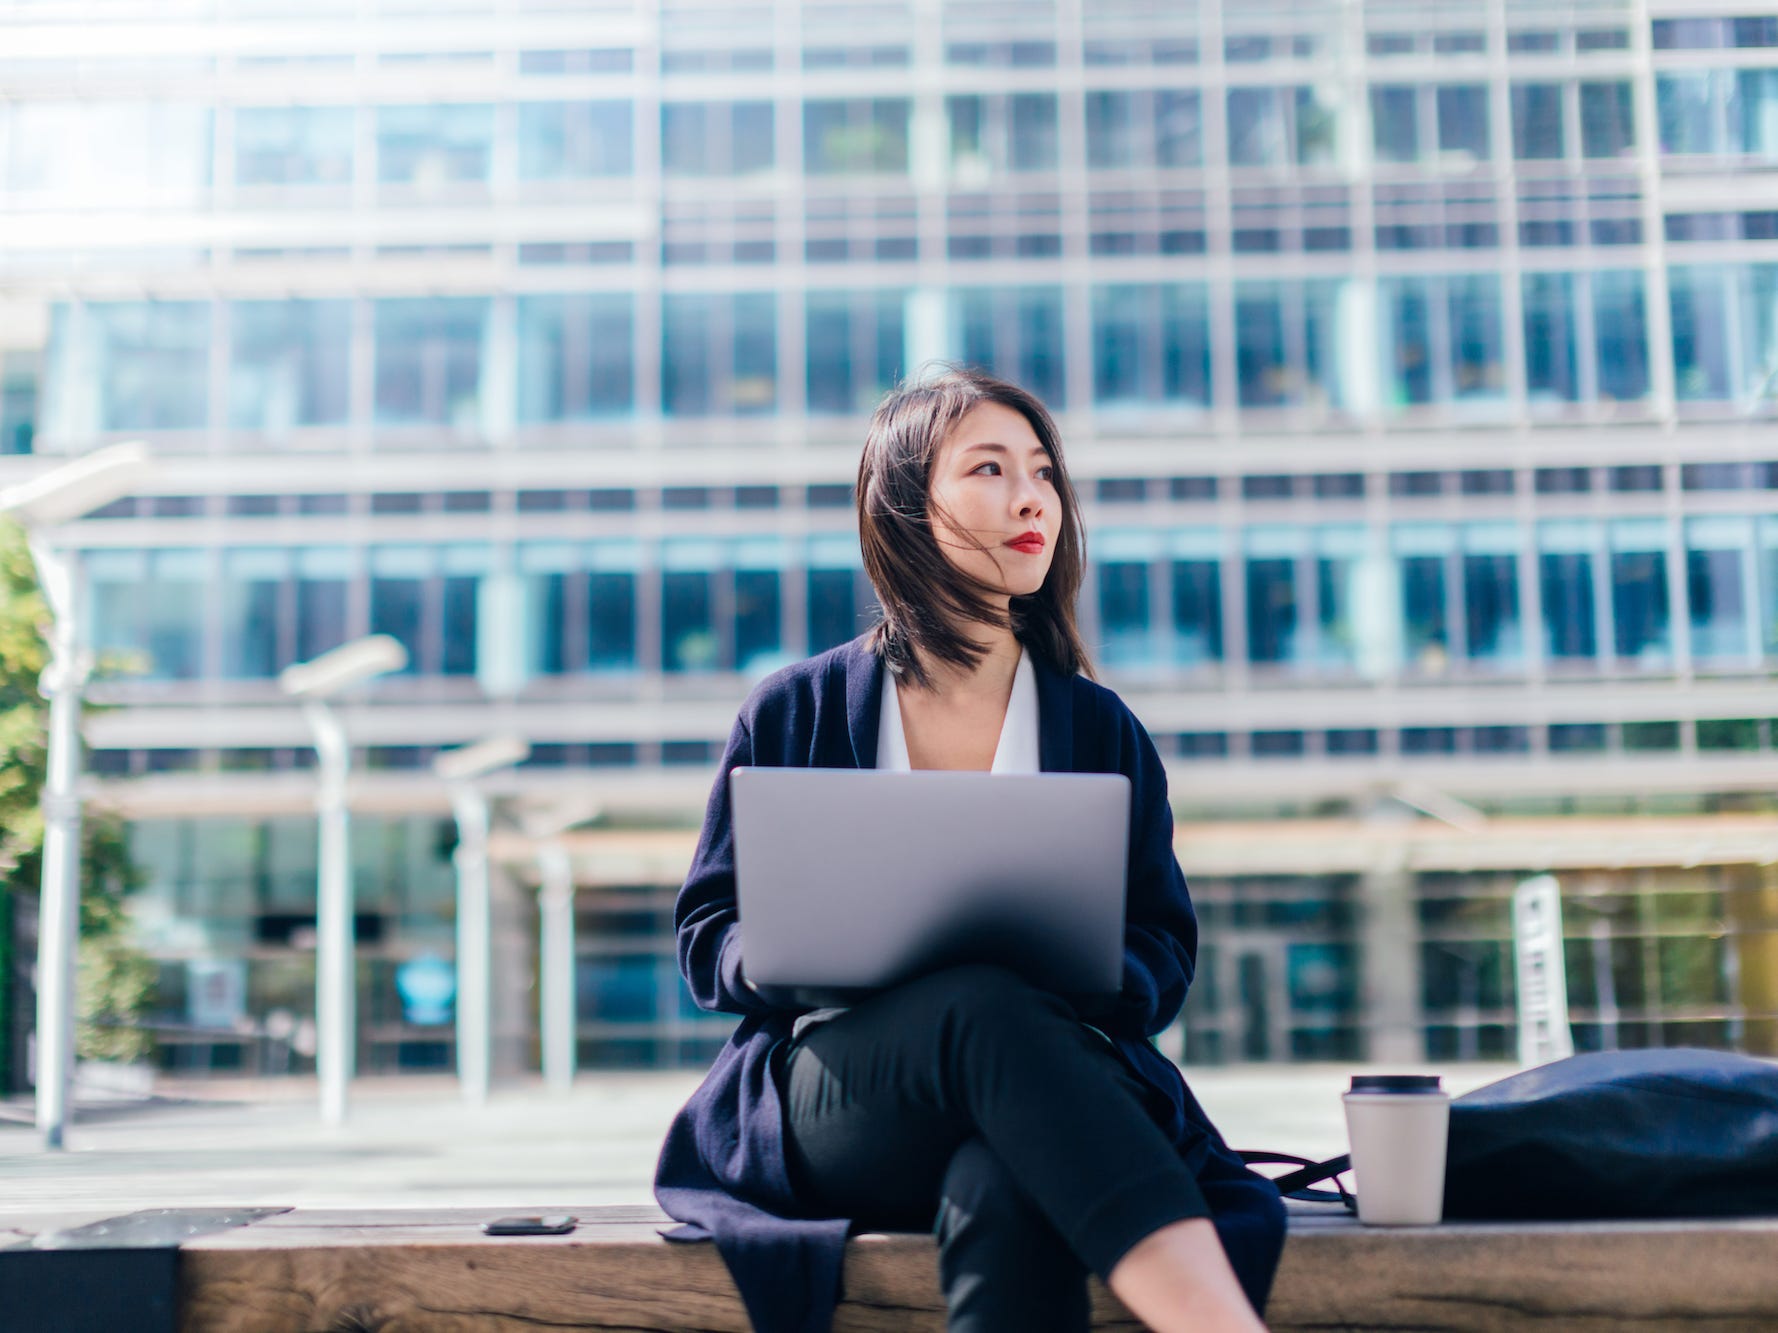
x,y
850,880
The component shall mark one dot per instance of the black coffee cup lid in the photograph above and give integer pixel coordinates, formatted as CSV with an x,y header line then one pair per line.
x,y
1395,1083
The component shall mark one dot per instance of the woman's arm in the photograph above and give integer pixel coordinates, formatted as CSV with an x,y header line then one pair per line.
x,y
1160,930
704,914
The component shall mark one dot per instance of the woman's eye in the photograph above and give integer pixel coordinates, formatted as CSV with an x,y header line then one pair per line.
x,y
1046,473
984,469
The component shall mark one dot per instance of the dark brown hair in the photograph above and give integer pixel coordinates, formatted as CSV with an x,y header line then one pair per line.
x,y
927,601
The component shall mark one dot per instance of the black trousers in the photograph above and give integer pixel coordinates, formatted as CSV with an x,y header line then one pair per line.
x,y
969,1103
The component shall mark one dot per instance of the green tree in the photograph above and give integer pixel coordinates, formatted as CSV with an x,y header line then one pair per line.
x,y
115,980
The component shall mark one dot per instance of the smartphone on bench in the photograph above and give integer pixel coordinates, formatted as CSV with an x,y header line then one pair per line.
x,y
550,1224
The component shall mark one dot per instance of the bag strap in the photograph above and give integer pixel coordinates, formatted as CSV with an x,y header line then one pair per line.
x,y
1296,1184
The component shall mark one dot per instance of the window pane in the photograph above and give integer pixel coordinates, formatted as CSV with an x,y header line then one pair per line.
x,y
1032,125
1407,341
1717,566
546,608
1702,358
751,138
151,364
755,353
293,145
1620,330
432,145
1271,610
1639,606
1315,128
1197,611
1551,373
1607,120
320,616
611,621
1477,368
1756,119
687,365
1262,367
251,582
685,138
1690,111
289,364
397,609
1568,612
575,356
172,609
1463,122
1256,127
855,344
574,140
462,600
429,360
1425,633
1111,129
1537,121
1491,607
758,618
1395,129
1178,129
688,624
1123,614
833,610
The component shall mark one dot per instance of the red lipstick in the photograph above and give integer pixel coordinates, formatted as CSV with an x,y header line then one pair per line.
x,y
1031,543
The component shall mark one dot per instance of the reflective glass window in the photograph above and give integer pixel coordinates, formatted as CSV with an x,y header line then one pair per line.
x,y
1692,111
1151,345
1718,568
719,354
460,600
1703,355
1142,129
688,621
1566,563
148,362
1337,594
716,138
843,137
1607,120
1270,127
575,356
1463,135
759,619
1492,627
1395,123
293,145
429,360
253,580
1274,602
575,140
323,579
1754,123
1552,371
1012,332
1124,619
1537,121
1768,582
1423,568
1477,361
289,364
1001,132
1620,333
834,613
398,579
1640,605
611,620
1406,327
856,345
434,145
149,605
1196,586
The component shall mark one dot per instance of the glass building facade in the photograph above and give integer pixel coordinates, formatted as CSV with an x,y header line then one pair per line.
x,y
1418,366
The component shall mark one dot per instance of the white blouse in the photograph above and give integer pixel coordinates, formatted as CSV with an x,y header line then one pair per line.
x,y
1016,751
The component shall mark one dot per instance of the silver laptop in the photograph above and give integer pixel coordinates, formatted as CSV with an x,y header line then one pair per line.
x,y
849,880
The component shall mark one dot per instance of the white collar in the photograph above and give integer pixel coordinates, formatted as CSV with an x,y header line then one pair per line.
x,y
1017,750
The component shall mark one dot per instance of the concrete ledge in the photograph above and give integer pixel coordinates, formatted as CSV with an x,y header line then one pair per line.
x,y
401,1272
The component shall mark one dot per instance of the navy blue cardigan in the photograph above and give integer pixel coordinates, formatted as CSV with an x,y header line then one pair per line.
x,y
722,1168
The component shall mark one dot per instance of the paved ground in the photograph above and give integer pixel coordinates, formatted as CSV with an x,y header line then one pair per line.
x,y
412,1143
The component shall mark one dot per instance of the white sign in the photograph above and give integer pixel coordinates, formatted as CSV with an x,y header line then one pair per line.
x,y
1541,975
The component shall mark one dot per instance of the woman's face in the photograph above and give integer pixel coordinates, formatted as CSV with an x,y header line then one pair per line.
x,y
993,482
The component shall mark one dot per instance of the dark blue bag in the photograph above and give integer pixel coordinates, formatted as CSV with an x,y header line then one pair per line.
x,y
1614,1134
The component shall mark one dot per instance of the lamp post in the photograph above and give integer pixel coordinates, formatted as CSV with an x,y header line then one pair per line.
x,y
555,937
315,682
41,504
461,768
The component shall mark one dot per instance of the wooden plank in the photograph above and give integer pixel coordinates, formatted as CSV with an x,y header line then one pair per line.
x,y
434,1270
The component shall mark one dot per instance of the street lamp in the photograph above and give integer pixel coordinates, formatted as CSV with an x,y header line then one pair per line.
x,y
461,768
41,504
315,682
555,935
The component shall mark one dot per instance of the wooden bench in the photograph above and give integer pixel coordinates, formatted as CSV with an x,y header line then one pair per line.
x,y
317,1271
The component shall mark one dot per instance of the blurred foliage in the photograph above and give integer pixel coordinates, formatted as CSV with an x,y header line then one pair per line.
x,y
115,980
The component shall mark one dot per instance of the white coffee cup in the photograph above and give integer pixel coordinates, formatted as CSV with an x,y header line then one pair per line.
x,y
1398,1125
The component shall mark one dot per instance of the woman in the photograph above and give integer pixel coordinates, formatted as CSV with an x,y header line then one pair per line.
x,y
1037,1147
